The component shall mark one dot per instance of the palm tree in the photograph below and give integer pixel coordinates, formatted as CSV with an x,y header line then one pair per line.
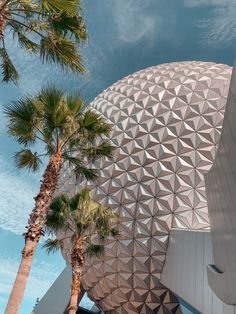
x,y
52,29
70,134
86,224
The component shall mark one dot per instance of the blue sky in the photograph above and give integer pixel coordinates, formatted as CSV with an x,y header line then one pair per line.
x,y
124,36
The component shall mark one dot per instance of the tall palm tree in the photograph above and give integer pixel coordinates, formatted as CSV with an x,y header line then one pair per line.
x,y
87,224
69,134
51,29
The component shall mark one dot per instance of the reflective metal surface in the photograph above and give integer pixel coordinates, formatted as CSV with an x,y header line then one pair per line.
x,y
166,122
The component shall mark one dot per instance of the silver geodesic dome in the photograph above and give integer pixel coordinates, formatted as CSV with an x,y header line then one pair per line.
x,y
166,121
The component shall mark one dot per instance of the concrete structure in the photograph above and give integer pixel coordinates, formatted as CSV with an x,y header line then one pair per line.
x,y
167,122
55,301
221,191
185,271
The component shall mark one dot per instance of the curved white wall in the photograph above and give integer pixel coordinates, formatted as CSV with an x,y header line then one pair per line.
x,y
185,271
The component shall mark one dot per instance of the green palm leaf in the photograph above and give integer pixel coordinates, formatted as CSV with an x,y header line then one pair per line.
x,y
26,159
75,105
53,245
9,72
94,250
74,201
80,170
89,174
60,122
66,24
51,118
22,120
52,29
58,213
102,150
81,218
57,49
24,41
56,6
94,124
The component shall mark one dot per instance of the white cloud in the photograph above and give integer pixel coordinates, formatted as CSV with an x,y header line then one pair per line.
x,y
17,191
193,3
132,21
42,276
220,30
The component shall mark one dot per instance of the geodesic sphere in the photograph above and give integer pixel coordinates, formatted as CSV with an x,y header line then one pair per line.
x,y
166,121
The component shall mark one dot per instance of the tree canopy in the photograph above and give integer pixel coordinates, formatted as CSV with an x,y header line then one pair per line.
x,y
79,217
52,29
64,125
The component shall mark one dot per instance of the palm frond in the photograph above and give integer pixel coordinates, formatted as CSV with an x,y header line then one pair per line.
x,y
21,115
57,217
104,233
85,195
57,6
51,97
84,219
104,217
72,161
9,72
74,201
91,119
74,25
60,202
89,174
53,245
26,159
114,232
102,128
49,149
94,250
52,29
80,170
25,4
22,110
55,113
75,142
24,41
63,51
95,125
97,122
104,149
75,104
27,44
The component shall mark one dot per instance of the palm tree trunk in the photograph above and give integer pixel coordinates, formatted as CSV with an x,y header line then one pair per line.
x,y
17,292
36,224
77,262
75,292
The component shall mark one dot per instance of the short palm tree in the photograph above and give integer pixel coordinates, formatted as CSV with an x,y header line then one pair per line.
x,y
70,134
53,29
87,224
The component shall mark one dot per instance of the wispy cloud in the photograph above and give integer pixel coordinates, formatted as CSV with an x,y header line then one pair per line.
x,y
17,189
133,23
41,278
219,30
193,3
33,72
